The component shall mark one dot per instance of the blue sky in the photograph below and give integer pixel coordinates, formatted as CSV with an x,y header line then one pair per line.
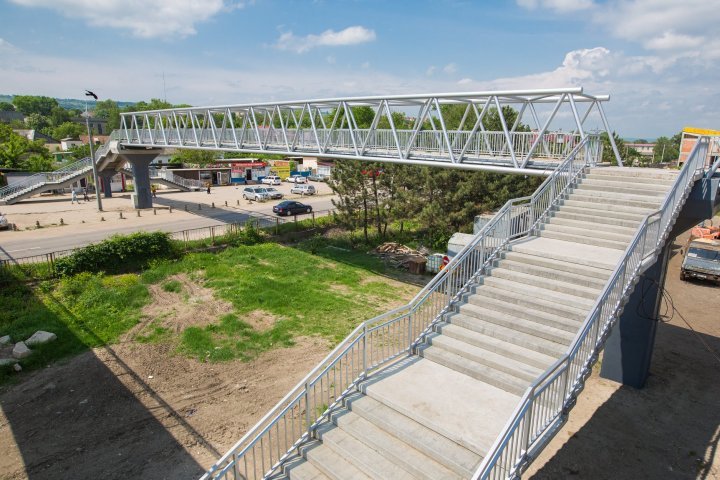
x,y
657,58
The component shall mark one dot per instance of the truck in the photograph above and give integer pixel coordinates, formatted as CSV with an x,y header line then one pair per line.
x,y
701,260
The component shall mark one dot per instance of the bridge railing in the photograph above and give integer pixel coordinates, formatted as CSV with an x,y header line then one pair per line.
x,y
376,343
548,400
168,175
553,146
38,179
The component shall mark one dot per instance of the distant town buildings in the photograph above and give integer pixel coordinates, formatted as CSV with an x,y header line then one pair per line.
x,y
689,139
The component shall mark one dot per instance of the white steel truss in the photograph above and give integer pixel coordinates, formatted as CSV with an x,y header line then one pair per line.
x,y
329,128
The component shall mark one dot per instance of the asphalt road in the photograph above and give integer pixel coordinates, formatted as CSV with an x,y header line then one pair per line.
x,y
18,245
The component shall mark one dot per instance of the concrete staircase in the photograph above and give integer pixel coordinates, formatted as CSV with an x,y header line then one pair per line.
x,y
435,415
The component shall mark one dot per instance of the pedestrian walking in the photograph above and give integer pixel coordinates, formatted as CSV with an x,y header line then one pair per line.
x,y
85,195
208,188
73,196
153,189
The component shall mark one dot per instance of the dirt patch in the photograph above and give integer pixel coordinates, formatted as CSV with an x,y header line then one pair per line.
x,y
133,410
259,319
192,306
341,289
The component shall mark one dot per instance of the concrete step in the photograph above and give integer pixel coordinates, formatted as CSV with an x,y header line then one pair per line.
x,y
667,183
299,469
552,281
506,349
476,370
531,342
599,217
537,292
541,330
576,253
595,224
559,265
508,365
610,199
633,186
589,231
331,464
596,208
623,189
393,450
490,297
600,242
423,439
562,318
352,449
577,279
630,172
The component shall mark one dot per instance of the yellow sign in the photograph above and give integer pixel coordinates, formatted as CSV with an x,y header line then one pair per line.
x,y
702,131
282,171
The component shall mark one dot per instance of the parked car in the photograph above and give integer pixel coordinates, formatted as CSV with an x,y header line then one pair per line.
x,y
702,260
274,193
318,178
4,225
271,180
289,207
258,194
303,189
296,179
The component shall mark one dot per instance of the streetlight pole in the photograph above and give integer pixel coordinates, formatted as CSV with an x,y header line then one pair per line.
x,y
92,159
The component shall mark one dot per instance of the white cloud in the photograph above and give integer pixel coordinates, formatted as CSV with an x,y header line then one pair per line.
x,y
365,65
430,71
465,81
7,47
158,19
330,59
329,38
450,68
559,6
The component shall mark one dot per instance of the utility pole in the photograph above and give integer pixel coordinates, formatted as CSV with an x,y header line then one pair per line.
x,y
88,93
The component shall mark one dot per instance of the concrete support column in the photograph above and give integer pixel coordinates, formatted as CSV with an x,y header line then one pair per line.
x,y
106,180
629,347
141,179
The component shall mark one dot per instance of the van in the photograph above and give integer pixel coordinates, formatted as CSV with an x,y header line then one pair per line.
x,y
303,189
271,180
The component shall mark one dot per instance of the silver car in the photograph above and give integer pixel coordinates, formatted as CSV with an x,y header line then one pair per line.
x,y
259,194
274,193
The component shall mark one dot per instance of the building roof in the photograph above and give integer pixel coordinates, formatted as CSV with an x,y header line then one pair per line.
x,y
33,135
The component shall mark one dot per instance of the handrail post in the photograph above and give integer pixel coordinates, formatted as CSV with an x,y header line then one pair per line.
x,y
364,344
307,406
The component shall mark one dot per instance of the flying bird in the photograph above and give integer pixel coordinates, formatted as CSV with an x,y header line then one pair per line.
x,y
88,93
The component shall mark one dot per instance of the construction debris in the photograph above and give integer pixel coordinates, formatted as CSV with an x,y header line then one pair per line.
x,y
401,256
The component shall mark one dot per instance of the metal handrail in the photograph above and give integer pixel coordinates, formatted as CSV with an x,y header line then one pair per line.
x,y
38,179
377,343
548,399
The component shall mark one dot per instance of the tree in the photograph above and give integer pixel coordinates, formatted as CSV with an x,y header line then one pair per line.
x,y
6,107
666,149
35,121
109,110
59,115
78,152
29,104
68,130
16,150
39,163
200,158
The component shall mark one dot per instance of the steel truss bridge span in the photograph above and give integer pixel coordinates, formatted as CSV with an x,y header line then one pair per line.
x,y
329,128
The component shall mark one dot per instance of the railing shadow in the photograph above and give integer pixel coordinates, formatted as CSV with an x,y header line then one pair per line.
x,y
678,405
220,213
83,419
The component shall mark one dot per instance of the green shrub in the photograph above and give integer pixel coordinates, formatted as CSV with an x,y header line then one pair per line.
x,y
172,286
118,254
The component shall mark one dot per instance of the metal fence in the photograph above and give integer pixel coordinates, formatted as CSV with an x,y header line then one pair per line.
x,y
216,234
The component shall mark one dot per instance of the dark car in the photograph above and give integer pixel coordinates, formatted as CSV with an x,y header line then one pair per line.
x,y
288,207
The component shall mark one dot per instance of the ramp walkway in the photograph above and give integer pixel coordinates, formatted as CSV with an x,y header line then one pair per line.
x,y
475,374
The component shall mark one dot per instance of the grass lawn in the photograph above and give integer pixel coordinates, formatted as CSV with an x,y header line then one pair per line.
x,y
324,294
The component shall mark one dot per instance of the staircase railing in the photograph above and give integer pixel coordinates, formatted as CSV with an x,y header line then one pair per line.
x,y
188,183
378,342
546,403
38,179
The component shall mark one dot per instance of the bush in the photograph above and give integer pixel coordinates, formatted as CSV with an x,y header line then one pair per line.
x,y
118,254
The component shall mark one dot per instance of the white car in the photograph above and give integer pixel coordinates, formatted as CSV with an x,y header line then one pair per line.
x,y
303,189
271,180
296,179
258,194
4,225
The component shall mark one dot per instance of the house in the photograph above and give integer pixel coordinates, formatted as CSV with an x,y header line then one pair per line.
x,y
644,149
11,116
690,137
32,135
68,143
98,125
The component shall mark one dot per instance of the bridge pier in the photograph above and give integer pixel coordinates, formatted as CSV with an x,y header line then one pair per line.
x,y
106,180
628,351
141,178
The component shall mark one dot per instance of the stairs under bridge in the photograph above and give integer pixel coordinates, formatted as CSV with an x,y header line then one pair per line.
x,y
169,179
474,376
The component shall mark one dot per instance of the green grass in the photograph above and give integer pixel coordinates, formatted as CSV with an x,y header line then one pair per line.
x,y
323,294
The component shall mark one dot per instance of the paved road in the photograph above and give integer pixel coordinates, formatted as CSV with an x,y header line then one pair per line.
x,y
40,242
